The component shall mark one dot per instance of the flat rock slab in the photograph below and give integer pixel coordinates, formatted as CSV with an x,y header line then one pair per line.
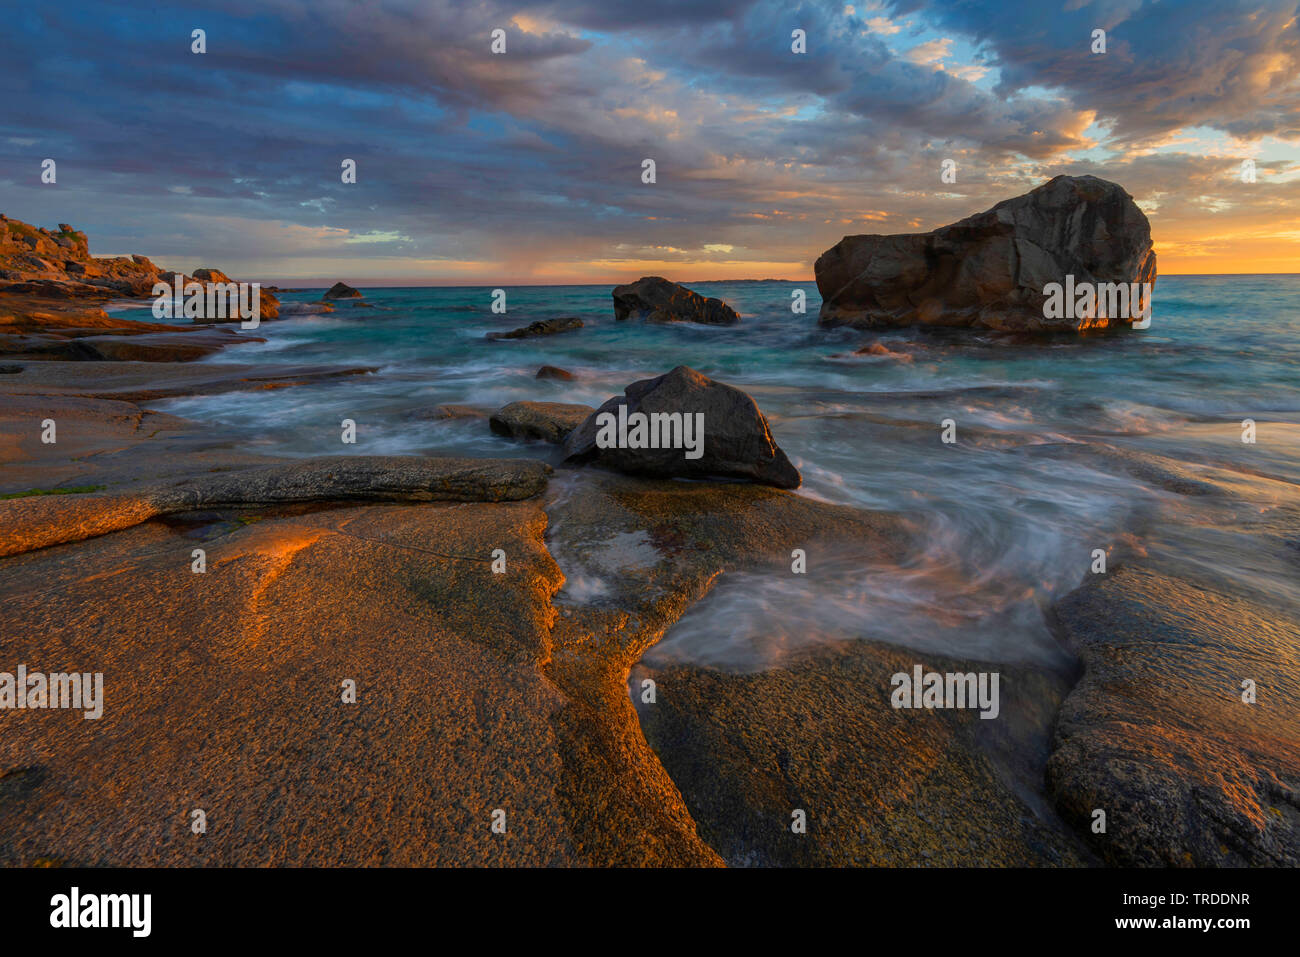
x,y
1156,732
223,692
161,346
44,520
148,381
1157,735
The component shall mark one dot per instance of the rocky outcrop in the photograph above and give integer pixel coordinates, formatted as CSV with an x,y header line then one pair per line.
x,y
28,252
658,300
33,327
341,290
59,265
548,421
542,327
990,270
733,435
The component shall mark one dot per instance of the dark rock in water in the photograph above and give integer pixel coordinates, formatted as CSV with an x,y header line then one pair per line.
x,y
548,421
305,308
879,350
736,441
452,412
659,300
555,372
341,291
542,327
989,271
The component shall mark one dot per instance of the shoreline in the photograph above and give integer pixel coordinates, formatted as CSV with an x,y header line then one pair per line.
x,y
528,697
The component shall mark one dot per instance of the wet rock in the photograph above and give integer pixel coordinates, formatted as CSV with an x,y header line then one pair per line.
x,y
736,440
542,327
880,351
548,421
269,305
452,411
1156,733
148,381
305,309
658,300
155,347
41,521
989,270
555,372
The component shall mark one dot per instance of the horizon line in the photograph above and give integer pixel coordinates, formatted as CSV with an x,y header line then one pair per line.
x,y
314,282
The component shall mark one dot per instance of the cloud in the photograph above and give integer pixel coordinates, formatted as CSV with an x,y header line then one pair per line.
x,y
534,158
932,52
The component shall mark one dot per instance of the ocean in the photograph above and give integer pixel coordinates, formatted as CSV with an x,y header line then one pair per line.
x,y
1009,515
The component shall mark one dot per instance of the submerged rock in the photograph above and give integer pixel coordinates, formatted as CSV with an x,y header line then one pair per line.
x,y
555,372
341,290
990,270
452,411
548,421
542,327
733,436
305,308
658,300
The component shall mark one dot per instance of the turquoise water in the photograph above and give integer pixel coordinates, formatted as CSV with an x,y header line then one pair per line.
x,y
1010,513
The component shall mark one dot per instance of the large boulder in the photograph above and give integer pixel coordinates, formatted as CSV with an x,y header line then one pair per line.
x,y
990,270
659,300
735,441
548,421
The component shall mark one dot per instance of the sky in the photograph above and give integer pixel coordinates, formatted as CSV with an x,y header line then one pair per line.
x,y
526,167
